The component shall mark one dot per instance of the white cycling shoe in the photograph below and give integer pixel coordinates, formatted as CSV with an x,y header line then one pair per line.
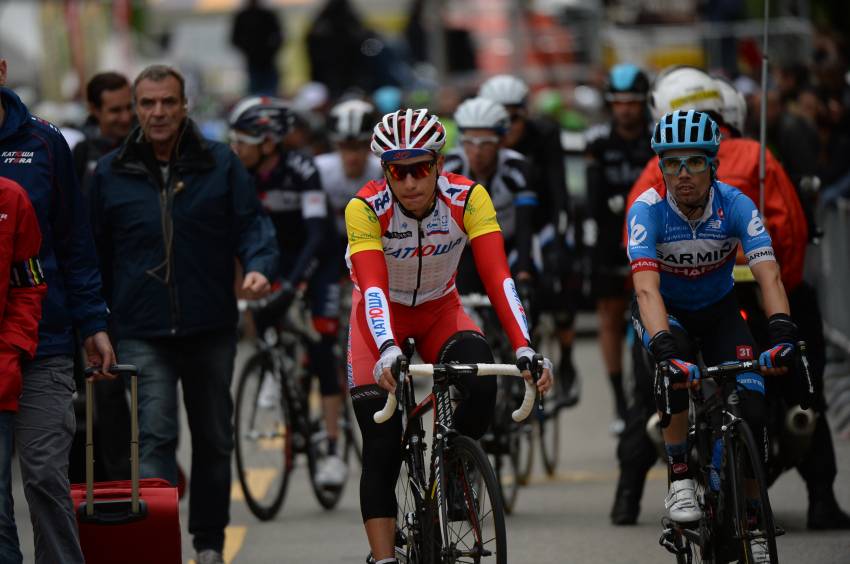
x,y
269,392
681,502
332,472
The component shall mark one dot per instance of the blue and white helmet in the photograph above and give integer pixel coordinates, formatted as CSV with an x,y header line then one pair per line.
x,y
686,129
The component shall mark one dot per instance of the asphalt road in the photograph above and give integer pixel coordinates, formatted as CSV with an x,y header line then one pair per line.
x,y
564,519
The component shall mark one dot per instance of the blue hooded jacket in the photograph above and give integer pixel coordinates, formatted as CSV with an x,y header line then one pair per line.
x,y
34,154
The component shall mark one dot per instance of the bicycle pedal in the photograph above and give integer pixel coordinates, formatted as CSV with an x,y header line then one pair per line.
x,y
668,541
778,531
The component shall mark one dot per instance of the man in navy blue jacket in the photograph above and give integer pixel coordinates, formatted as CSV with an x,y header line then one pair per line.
x,y
171,211
36,156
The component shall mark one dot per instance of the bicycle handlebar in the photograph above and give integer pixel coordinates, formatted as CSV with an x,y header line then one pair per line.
x,y
731,369
464,369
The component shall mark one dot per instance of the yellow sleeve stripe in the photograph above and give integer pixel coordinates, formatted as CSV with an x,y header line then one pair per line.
x,y
479,215
363,227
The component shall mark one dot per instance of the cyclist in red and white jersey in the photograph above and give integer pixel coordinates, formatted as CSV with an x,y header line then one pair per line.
x,y
406,233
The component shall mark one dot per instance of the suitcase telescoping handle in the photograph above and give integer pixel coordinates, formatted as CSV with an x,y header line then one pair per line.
x,y
137,508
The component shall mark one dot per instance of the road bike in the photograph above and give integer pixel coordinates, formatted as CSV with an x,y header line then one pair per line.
x,y
456,514
737,520
509,444
277,416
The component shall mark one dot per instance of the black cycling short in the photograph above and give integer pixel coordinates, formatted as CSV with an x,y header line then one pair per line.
x,y
722,335
382,442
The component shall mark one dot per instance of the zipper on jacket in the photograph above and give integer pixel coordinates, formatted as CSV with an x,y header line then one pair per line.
x,y
419,236
167,194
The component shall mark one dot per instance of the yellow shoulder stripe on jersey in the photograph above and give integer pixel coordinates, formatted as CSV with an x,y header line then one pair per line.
x,y
479,217
363,227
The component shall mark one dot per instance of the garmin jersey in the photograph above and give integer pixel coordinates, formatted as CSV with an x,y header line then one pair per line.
x,y
422,255
695,258
340,188
508,188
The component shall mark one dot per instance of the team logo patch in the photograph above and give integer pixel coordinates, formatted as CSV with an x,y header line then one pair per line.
x,y
17,157
755,227
744,352
680,468
637,233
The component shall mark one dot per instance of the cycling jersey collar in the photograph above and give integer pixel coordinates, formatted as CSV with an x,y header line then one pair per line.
x,y
707,209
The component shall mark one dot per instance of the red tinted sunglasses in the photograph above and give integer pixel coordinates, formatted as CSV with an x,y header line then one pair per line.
x,y
416,170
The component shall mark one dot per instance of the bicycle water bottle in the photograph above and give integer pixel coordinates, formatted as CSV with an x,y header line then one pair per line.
x,y
716,462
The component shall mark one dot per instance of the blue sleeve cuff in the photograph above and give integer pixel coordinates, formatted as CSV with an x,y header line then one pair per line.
x,y
90,327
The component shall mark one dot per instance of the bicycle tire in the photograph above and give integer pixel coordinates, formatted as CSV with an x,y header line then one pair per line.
x,y
414,521
264,507
549,431
744,455
505,464
328,497
467,466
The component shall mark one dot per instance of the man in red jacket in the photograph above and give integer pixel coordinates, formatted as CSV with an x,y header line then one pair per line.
x,y
21,289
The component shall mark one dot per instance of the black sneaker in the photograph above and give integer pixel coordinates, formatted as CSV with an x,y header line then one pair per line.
x,y
626,506
825,514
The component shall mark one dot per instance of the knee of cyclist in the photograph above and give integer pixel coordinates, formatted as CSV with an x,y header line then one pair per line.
x,y
466,346
678,400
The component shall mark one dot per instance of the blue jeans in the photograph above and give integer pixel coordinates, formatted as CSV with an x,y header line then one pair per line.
x,y
204,366
10,551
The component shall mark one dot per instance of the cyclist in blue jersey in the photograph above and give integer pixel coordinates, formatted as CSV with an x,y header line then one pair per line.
x,y
683,238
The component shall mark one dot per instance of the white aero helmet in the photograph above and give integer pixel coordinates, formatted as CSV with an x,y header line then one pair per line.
x,y
684,88
482,113
734,111
407,133
352,119
505,89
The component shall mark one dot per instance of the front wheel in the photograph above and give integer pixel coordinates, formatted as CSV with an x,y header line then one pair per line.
x,y
752,523
469,507
263,431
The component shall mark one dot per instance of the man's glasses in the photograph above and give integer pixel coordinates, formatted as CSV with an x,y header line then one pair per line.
x,y
479,141
694,164
416,170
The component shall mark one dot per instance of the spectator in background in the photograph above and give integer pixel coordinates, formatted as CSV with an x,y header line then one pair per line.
x,y
110,105
171,210
335,45
257,33
21,289
44,426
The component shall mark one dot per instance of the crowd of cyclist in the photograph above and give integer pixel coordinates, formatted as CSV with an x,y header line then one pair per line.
x,y
414,219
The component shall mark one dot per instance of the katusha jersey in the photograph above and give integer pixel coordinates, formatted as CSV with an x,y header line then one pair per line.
x,y
422,255
695,258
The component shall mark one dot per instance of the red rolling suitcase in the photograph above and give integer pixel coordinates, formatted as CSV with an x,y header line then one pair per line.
x,y
132,522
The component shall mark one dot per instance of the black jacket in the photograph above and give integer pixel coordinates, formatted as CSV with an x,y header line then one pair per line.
x,y
168,248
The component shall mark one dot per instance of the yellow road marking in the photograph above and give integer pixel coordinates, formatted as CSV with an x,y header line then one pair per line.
x,y
259,481
234,537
